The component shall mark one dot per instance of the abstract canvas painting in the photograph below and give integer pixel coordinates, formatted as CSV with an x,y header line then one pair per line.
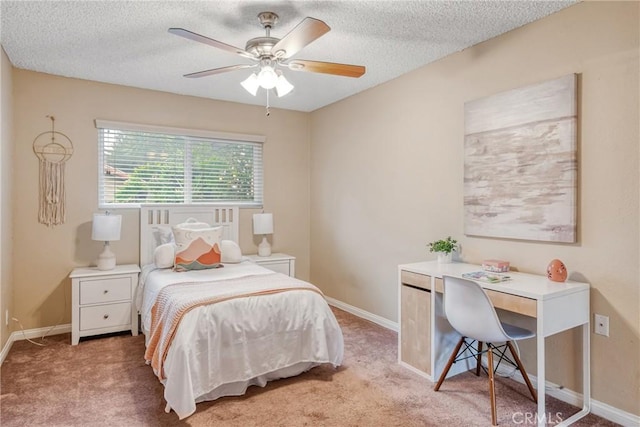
x,y
520,167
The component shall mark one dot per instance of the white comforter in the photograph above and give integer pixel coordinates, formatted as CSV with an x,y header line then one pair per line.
x,y
221,349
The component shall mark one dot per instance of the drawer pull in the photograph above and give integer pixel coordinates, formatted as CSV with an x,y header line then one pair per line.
x,y
106,316
106,291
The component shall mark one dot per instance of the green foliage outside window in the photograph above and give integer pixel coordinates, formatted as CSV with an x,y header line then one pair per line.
x,y
151,168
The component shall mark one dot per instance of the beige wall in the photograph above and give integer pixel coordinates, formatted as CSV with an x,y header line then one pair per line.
x,y
45,256
6,179
387,166
385,174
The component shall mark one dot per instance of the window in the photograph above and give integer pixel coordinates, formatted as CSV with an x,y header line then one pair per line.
x,y
149,164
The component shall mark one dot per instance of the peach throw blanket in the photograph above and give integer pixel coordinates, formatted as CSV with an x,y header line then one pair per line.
x,y
176,300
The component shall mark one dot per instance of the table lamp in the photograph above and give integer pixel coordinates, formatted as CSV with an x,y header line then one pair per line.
x,y
263,224
106,227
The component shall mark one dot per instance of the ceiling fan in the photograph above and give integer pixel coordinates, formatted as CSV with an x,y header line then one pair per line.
x,y
271,54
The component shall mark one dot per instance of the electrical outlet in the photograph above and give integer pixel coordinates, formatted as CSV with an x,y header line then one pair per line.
x,y
601,325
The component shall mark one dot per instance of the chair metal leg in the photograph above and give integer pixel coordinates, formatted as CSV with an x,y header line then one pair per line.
x,y
449,363
492,386
524,373
478,364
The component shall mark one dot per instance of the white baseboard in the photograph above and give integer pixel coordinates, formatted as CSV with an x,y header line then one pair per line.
x,y
571,397
31,334
379,320
6,348
615,415
39,332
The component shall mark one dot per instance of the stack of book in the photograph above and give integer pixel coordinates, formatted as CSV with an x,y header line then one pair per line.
x,y
495,265
486,276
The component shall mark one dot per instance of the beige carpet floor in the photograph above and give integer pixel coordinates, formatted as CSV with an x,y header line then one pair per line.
x,y
105,382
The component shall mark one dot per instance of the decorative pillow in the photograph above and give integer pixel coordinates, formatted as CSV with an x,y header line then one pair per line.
x,y
197,249
162,235
231,253
164,255
193,224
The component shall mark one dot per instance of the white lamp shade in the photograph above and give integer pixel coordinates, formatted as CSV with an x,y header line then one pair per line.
x,y
263,223
283,86
251,84
106,227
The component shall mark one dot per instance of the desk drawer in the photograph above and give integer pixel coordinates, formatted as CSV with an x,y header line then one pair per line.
x,y
516,304
414,279
99,291
105,316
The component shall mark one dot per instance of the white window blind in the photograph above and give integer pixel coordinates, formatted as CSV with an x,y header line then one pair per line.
x,y
148,164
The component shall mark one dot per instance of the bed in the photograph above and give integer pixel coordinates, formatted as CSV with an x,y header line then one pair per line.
x,y
247,326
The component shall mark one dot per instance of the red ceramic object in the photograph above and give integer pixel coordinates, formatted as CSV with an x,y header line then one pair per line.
x,y
557,271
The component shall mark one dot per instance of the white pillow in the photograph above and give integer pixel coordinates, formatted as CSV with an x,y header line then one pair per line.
x,y
193,224
231,253
164,255
162,235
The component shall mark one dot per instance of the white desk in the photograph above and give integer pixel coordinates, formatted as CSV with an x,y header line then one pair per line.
x,y
556,306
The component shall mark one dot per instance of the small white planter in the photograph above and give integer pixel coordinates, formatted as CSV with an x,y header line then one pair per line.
x,y
444,258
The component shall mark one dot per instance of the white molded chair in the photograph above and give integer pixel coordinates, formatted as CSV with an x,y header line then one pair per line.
x,y
471,313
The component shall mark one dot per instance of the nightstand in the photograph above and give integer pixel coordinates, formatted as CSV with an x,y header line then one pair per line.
x,y
103,301
280,263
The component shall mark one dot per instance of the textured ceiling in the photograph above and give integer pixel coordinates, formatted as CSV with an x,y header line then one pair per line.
x,y
127,43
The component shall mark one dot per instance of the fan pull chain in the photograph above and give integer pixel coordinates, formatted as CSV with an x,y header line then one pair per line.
x,y
268,111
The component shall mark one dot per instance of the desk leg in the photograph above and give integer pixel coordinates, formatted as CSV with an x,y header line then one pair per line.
x,y
586,366
541,415
586,377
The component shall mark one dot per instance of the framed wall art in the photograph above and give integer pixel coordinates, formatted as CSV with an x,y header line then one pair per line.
x,y
520,163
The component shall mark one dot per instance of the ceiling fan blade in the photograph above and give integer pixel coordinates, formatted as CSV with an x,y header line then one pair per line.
x,y
218,71
211,42
326,67
304,33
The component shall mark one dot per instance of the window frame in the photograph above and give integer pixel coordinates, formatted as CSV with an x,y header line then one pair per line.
x,y
215,136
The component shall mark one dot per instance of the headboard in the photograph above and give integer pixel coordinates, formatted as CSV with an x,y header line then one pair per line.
x,y
154,216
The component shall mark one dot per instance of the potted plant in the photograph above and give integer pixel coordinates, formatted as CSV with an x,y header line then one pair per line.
x,y
444,248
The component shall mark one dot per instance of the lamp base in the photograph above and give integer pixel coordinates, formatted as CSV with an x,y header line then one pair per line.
x,y
107,259
264,248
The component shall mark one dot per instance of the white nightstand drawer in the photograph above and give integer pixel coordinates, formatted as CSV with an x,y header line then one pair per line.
x,y
278,262
98,291
278,267
105,316
102,301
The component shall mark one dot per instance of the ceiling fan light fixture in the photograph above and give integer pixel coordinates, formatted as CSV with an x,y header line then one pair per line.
x,y
283,86
267,77
269,54
251,84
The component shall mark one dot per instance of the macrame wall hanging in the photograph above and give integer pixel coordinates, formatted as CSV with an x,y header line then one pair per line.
x,y
53,150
